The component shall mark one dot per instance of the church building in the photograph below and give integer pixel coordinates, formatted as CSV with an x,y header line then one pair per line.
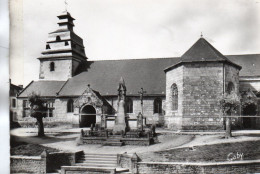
x,y
181,93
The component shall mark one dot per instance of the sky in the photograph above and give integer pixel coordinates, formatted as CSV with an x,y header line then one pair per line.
x,y
133,29
4,87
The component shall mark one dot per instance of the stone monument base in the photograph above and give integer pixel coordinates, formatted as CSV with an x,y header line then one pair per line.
x,y
118,128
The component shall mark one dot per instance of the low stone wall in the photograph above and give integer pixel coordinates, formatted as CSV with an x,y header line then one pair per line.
x,y
28,164
56,160
237,167
94,140
86,170
47,124
137,141
44,163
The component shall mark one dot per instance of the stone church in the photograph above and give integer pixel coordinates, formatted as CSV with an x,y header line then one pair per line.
x,y
181,93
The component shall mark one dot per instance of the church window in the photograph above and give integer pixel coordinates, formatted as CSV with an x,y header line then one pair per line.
x,y
66,43
52,66
157,106
129,105
70,107
58,38
174,96
48,47
230,88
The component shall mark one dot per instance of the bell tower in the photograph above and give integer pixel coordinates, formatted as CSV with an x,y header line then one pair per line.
x,y
64,54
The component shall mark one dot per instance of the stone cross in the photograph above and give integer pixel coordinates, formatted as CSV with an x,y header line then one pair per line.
x,y
142,92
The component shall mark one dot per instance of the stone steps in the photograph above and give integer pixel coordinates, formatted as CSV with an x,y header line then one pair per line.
x,y
98,160
95,165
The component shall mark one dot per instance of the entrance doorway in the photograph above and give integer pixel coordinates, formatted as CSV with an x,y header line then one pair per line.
x,y
249,110
88,116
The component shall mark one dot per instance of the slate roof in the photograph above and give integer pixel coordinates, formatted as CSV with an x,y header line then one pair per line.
x,y
43,88
104,76
202,51
250,64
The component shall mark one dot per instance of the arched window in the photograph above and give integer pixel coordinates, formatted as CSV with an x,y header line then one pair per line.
x,y
58,38
48,47
129,105
157,106
52,66
174,96
230,88
70,107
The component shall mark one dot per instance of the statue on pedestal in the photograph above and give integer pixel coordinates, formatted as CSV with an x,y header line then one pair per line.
x,y
120,120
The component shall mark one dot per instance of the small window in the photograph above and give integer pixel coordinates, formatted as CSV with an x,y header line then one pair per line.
x,y
26,112
70,107
48,47
52,66
66,43
174,97
129,105
58,38
50,108
13,103
157,106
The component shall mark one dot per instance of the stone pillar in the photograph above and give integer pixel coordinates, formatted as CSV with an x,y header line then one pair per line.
x,y
140,121
120,123
120,120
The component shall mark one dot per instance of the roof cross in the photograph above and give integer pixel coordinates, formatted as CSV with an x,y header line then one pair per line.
x,y
201,35
66,5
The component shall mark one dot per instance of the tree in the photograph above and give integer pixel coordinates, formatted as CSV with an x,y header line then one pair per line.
x,y
229,105
38,111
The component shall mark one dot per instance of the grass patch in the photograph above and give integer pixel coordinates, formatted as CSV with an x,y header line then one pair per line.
x,y
209,153
22,148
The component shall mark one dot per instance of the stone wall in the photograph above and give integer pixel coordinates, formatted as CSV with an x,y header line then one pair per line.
x,y
44,163
240,167
202,92
128,161
27,164
63,69
173,118
56,160
87,170
148,109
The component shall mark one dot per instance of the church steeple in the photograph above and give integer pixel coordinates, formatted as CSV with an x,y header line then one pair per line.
x,y
64,54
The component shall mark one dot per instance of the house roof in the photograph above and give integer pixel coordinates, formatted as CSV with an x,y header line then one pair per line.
x,y
14,89
104,76
43,88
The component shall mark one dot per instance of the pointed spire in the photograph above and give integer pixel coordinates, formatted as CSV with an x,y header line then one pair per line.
x,y
122,81
121,86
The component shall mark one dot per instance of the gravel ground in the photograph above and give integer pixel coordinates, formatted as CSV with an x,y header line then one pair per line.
x,y
65,140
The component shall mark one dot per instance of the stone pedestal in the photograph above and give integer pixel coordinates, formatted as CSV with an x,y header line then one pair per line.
x,y
120,121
